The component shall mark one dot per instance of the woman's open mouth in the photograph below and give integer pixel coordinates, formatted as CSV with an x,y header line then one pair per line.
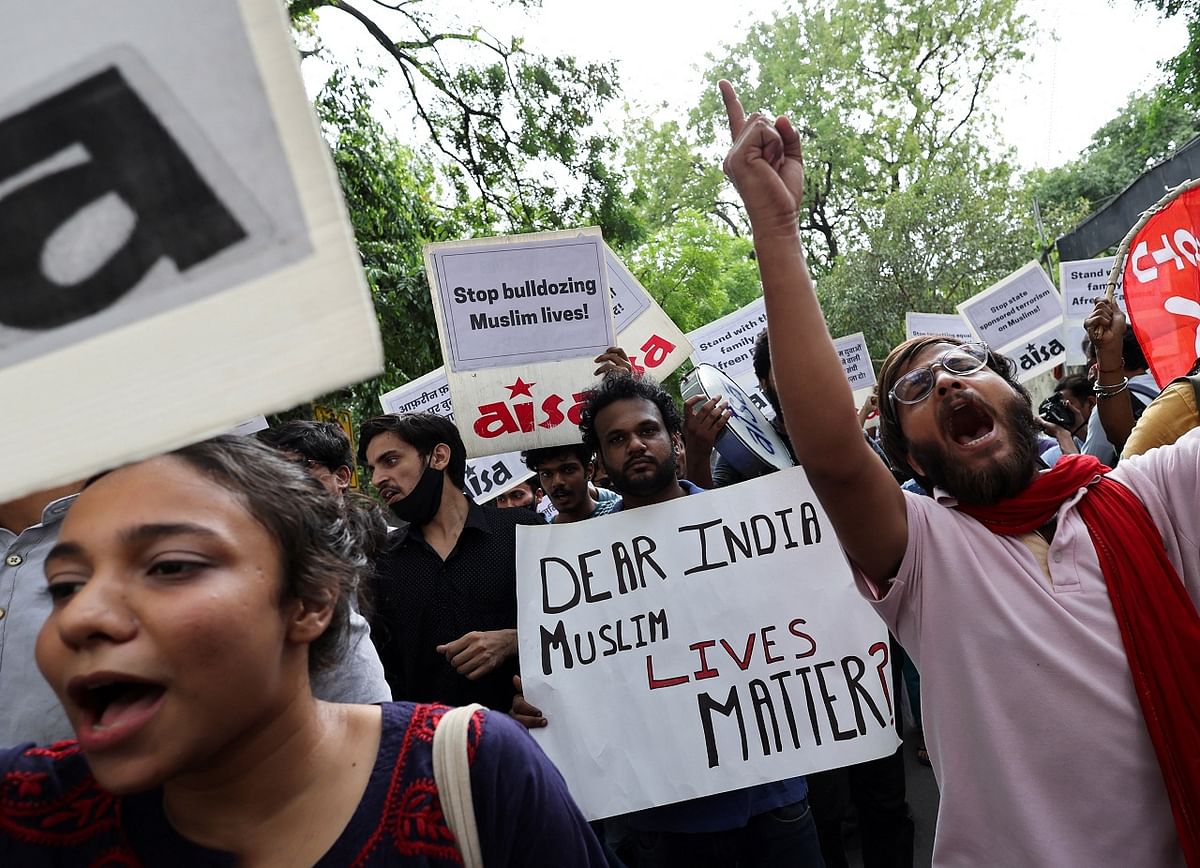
x,y
114,708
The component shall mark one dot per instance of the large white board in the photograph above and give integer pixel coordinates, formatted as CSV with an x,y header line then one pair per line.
x,y
176,256
705,644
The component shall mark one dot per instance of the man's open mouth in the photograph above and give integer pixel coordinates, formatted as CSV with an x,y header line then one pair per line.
x,y
968,423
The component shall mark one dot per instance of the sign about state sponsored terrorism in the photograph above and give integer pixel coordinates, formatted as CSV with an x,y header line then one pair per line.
x,y
706,644
1020,317
175,255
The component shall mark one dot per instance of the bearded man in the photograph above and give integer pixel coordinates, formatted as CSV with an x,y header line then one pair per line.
x,y
1052,613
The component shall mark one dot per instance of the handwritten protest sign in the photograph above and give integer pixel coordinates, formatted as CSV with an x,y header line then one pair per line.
x,y
1020,317
856,362
705,644
919,325
728,345
1081,283
486,477
172,230
1162,286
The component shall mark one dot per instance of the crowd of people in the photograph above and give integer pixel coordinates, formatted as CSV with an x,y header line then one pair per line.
x,y
224,655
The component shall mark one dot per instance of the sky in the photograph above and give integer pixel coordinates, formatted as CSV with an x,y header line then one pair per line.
x,y
1088,57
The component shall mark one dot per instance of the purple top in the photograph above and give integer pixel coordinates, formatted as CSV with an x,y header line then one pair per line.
x,y
52,811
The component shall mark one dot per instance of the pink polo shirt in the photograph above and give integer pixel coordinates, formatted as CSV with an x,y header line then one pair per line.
x,y
1035,733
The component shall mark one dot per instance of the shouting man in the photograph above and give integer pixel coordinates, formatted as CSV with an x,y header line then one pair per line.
x,y
1051,613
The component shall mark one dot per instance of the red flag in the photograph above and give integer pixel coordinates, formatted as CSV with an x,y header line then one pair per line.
x,y
1162,287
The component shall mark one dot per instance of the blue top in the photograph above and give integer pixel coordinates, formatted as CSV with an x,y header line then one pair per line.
x,y
52,812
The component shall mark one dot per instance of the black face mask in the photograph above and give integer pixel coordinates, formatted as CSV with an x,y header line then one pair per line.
x,y
421,504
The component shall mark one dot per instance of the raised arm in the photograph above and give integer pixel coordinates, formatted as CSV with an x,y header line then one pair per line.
x,y
1106,325
857,491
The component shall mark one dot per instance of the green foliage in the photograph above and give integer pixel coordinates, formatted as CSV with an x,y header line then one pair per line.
x,y
1147,130
879,89
936,243
392,199
512,130
696,271
1184,68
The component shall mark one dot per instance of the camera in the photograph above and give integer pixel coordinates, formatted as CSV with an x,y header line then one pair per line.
x,y
1056,410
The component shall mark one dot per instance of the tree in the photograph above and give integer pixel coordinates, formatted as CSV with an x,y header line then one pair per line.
x,y
1184,68
513,129
905,209
1147,130
392,199
881,91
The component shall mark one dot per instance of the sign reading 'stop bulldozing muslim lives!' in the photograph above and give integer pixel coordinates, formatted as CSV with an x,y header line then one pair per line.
x,y
523,299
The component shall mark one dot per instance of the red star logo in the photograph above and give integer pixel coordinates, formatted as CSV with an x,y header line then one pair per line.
x,y
520,387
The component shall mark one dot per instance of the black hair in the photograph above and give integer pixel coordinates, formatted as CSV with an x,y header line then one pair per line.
x,y
1131,352
896,365
762,356
1076,384
421,431
623,386
323,442
533,458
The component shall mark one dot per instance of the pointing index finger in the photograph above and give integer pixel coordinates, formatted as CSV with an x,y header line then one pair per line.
x,y
733,108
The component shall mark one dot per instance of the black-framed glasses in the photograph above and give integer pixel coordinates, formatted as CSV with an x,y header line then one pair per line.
x,y
305,463
915,386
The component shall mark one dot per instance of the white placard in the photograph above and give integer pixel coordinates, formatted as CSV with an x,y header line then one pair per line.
x,y
1038,353
1082,282
521,299
1005,314
487,477
728,345
706,644
250,426
176,256
856,363
920,325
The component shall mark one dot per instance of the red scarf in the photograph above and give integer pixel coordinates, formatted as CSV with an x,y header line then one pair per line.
x,y
1159,624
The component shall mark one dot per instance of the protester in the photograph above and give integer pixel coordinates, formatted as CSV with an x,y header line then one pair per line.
x,y
29,525
445,594
193,594
565,474
1064,416
1012,590
1169,416
635,427
525,495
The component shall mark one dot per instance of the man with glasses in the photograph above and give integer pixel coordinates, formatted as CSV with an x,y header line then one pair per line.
x,y
1052,614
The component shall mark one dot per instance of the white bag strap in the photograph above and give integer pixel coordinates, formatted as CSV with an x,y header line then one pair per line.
x,y
452,774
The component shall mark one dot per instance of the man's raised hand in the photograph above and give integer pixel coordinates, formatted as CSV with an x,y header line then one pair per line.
x,y
765,165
